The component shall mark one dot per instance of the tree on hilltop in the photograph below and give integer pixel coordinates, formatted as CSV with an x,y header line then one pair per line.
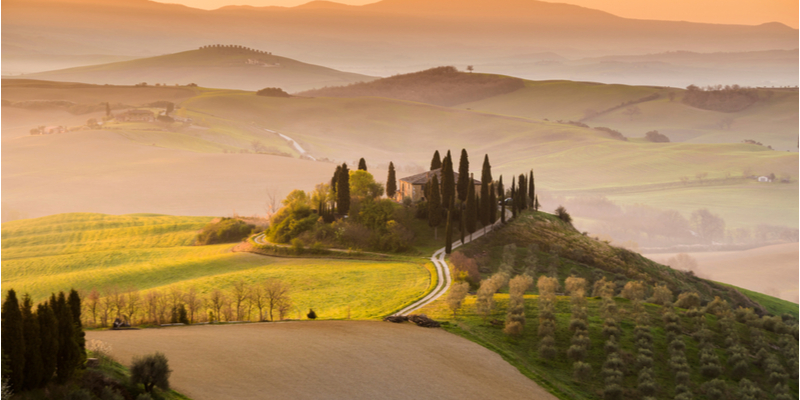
x,y
471,209
448,182
502,194
435,207
436,161
343,190
362,164
486,181
463,176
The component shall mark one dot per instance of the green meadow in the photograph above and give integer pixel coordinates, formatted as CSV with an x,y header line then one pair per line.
x,y
145,252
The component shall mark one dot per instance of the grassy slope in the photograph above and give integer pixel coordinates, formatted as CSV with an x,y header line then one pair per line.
x,y
772,121
548,233
154,252
210,68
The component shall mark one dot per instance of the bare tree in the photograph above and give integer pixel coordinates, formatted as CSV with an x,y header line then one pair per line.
x,y
91,303
271,205
162,307
193,303
216,300
151,305
259,299
275,290
133,299
239,292
456,296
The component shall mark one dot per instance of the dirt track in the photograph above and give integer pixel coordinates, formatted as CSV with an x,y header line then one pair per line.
x,y
325,360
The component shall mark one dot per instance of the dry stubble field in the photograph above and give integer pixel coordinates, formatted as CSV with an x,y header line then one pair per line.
x,y
325,359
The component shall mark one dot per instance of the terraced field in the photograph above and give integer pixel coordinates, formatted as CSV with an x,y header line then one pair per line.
x,y
146,252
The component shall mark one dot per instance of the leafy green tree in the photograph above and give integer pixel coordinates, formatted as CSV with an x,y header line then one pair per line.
x,y
363,185
343,190
362,164
376,214
151,371
435,207
13,340
391,182
463,176
48,336
436,161
33,357
471,210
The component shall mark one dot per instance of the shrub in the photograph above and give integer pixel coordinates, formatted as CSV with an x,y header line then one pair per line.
x,y
311,314
563,215
576,353
547,348
661,295
581,371
656,137
110,394
688,300
151,371
612,392
272,92
144,396
466,264
226,230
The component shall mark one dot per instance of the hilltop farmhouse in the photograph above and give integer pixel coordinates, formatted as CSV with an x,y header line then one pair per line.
x,y
414,186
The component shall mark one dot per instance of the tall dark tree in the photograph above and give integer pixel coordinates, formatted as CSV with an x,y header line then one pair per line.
x,y
74,301
436,161
532,192
501,192
48,335
486,181
68,356
33,356
13,340
471,219
513,197
435,207
362,164
493,204
522,192
448,231
463,176
461,225
335,182
448,181
391,182
343,191
108,109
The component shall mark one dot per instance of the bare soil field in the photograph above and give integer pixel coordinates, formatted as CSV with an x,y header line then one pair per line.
x,y
327,359
100,171
770,270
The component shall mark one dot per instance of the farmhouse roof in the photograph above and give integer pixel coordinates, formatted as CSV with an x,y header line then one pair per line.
x,y
423,178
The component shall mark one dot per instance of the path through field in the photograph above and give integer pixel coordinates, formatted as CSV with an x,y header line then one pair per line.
x,y
325,360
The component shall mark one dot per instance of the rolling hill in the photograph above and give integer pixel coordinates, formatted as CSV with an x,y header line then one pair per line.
x,y
232,67
386,37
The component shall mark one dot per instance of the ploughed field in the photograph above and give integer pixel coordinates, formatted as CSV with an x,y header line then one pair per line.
x,y
327,359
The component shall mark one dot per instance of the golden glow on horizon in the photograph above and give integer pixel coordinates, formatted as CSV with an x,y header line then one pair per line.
x,y
746,12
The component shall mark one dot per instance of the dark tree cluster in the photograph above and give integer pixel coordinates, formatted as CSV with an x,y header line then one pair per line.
x,y
655,137
728,98
272,92
42,346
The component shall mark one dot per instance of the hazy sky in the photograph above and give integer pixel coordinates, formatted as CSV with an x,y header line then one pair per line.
x,y
750,12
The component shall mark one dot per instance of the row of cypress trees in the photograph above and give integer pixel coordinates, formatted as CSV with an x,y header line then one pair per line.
x,y
42,346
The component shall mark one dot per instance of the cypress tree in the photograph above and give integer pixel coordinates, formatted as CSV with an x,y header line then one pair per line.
x,y
532,192
391,182
33,357
462,230
68,356
13,340
513,197
362,164
74,301
435,207
448,232
486,182
448,182
522,192
48,335
343,191
502,194
463,176
436,162
472,209
492,204
335,181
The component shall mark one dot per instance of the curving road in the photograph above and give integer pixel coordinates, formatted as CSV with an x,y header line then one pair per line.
x,y
442,269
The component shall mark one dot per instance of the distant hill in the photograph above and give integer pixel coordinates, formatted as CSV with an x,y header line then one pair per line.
x,y
443,86
384,38
228,66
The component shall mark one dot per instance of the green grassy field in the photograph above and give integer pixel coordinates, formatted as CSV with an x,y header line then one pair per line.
x,y
146,252
772,121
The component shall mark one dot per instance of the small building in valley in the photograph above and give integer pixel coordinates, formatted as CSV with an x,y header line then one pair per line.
x,y
136,116
414,186
764,179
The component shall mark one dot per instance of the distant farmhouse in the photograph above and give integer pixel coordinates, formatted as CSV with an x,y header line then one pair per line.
x,y
414,186
48,130
764,179
136,116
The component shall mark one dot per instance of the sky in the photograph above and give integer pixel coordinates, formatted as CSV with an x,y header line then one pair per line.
x,y
748,12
